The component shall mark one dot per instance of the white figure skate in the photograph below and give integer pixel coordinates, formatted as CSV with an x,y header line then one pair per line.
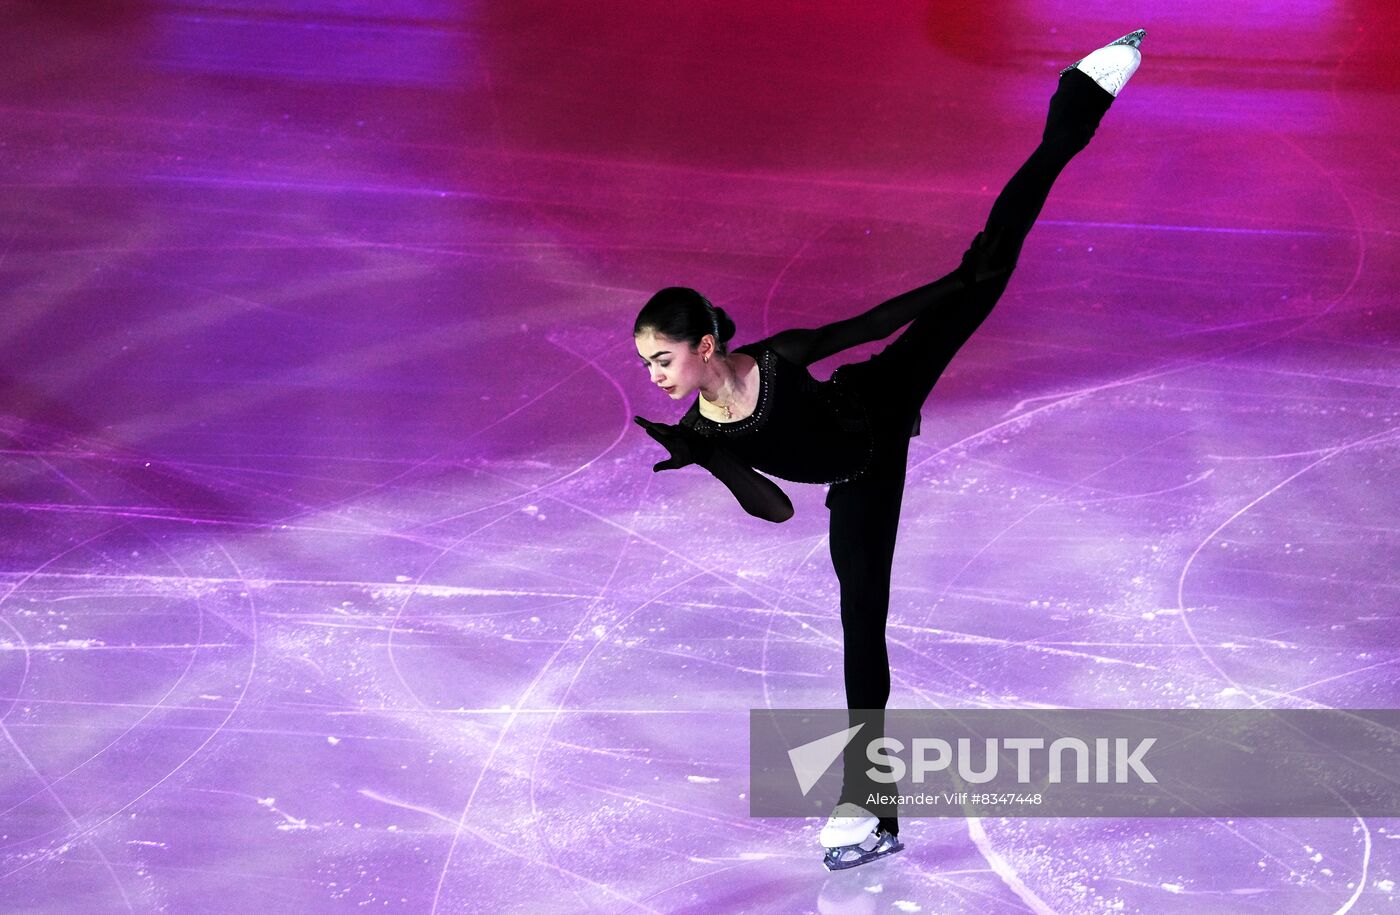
x,y
853,836
1111,65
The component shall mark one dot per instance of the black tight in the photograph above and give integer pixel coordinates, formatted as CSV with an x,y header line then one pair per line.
x,y
894,384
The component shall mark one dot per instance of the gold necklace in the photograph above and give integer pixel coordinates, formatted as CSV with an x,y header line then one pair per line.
x,y
728,413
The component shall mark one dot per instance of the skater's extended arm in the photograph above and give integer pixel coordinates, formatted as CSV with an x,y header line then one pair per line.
x,y
808,345
757,495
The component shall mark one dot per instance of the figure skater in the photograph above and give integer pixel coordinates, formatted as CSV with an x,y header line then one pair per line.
x,y
759,409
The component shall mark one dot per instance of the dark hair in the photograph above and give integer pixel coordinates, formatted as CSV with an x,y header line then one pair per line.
x,y
684,315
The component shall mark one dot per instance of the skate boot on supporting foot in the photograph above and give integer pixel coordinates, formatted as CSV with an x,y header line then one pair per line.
x,y
1112,65
854,836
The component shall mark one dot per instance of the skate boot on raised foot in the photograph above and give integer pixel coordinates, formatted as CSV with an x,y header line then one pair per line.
x,y
853,836
1087,90
1112,65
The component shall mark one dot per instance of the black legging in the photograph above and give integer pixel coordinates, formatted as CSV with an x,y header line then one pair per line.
x,y
894,384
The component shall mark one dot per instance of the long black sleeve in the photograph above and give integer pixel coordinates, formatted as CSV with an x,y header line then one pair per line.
x,y
805,346
983,262
758,495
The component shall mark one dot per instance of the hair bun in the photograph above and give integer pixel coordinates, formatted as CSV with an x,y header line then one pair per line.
x,y
682,314
724,323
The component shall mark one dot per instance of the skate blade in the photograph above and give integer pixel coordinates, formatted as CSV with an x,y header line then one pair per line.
x,y
835,860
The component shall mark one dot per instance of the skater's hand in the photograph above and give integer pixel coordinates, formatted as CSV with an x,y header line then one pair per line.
x,y
685,445
987,260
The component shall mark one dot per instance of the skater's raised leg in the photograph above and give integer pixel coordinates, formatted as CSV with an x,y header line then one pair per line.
x,y
1075,111
915,360
865,511
1085,92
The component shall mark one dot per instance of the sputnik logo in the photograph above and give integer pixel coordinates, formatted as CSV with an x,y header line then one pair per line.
x,y
811,760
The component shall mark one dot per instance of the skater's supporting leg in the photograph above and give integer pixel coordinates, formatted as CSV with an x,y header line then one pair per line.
x,y
864,524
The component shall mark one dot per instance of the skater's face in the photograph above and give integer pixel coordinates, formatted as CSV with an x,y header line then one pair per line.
x,y
672,365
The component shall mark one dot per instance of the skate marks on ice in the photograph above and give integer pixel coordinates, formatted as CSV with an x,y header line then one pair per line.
x,y
333,579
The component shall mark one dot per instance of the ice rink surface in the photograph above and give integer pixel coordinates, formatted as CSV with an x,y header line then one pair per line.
x,y
333,572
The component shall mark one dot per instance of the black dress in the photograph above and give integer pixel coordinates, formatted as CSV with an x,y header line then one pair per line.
x,y
801,429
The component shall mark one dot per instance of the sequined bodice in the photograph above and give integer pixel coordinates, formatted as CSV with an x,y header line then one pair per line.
x,y
801,429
